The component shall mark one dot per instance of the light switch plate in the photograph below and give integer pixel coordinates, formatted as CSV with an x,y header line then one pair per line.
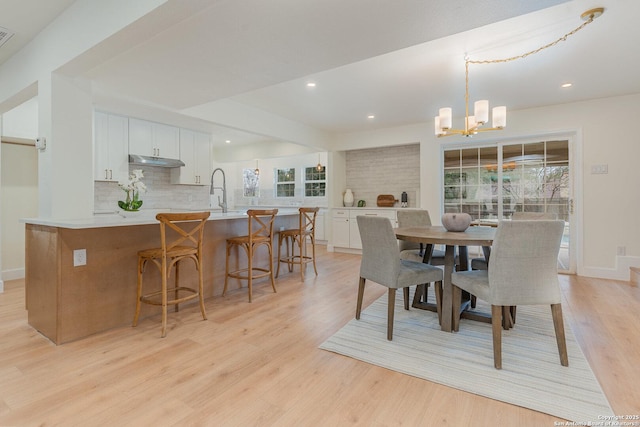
x,y
599,169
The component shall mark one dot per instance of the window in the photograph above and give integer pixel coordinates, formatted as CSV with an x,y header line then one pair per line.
x,y
494,182
285,182
315,182
250,183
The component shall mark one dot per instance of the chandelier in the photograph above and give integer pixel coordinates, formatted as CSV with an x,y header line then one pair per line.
x,y
473,124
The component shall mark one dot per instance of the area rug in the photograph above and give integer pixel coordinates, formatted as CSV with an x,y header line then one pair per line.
x,y
531,374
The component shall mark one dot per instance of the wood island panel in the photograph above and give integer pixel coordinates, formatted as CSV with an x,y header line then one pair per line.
x,y
66,303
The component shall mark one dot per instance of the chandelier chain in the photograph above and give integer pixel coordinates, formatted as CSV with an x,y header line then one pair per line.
x,y
548,45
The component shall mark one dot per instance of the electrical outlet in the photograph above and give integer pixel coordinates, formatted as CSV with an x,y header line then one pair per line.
x,y
79,257
622,251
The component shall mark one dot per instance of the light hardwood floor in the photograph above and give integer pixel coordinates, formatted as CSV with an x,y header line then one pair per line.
x,y
259,364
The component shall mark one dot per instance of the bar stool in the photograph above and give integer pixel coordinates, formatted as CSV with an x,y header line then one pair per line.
x,y
187,245
260,225
298,237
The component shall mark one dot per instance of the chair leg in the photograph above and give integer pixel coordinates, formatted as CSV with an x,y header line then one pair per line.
x,y
226,270
302,240
405,291
390,310
437,287
457,303
176,282
201,290
278,258
313,253
273,282
141,264
250,270
164,299
360,295
558,325
496,326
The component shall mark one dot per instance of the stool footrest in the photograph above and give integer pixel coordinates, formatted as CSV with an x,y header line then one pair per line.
x,y
150,298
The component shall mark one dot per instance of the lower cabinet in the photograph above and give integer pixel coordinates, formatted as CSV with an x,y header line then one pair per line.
x,y
340,228
345,231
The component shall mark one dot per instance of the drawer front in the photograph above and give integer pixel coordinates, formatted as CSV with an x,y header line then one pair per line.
x,y
340,213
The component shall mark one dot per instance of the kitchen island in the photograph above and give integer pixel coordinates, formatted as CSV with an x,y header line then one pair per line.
x,y
67,302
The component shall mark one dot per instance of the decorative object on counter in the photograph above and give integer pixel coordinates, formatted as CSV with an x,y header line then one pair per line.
x,y
456,221
362,203
404,200
347,199
386,200
133,186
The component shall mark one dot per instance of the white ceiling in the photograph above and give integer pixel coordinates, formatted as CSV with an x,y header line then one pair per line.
x,y
400,60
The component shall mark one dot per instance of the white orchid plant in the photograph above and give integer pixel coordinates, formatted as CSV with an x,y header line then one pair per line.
x,y
133,186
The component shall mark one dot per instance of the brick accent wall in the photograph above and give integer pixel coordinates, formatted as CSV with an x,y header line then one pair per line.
x,y
385,170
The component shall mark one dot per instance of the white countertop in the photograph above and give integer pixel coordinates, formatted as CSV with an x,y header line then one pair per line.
x,y
143,217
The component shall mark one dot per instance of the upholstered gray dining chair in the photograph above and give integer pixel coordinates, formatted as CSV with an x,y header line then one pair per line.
x,y
481,263
381,263
414,251
523,270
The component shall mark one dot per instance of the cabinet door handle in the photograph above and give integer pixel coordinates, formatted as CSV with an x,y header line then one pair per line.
x,y
105,174
110,174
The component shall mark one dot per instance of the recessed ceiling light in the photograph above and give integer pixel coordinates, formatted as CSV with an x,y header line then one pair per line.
x,y
228,141
311,84
566,85
371,116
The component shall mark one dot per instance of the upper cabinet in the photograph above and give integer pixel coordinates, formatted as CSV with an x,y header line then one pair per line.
x,y
195,152
111,136
153,139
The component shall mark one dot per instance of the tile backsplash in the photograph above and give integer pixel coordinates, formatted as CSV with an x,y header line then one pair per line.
x,y
385,170
160,193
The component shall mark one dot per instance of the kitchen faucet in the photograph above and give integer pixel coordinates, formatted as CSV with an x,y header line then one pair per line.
x,y
222,204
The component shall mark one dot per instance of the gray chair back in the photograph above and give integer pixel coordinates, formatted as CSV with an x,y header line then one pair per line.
x,y
527,216
412,218
523,264
380,254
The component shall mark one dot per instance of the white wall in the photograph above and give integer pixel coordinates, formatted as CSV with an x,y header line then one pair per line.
x,y
19,179
607,205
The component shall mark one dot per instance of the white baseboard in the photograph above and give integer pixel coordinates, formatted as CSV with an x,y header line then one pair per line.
x,y
17,273
621,271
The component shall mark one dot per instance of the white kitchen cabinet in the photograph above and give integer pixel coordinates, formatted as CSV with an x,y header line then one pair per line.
x,y
195,152
111,138
354,232
345,232
340,228
153,139
320,226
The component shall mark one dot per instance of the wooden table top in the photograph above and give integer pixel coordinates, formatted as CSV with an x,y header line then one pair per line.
x,y
472,236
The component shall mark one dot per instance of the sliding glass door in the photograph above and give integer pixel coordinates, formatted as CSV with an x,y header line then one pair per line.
x,y
492,182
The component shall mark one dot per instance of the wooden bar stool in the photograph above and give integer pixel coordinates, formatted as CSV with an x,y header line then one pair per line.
x,y
298,237
188,236
260,223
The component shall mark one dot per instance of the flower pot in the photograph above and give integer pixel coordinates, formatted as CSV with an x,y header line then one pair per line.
x,y
456,221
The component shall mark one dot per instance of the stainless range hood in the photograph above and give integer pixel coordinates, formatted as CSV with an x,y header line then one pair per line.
x,y
136,159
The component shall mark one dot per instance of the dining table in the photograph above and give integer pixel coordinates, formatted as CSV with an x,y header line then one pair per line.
x,y
438,235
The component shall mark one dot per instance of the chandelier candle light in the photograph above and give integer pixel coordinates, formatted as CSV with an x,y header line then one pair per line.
x,y
473,124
